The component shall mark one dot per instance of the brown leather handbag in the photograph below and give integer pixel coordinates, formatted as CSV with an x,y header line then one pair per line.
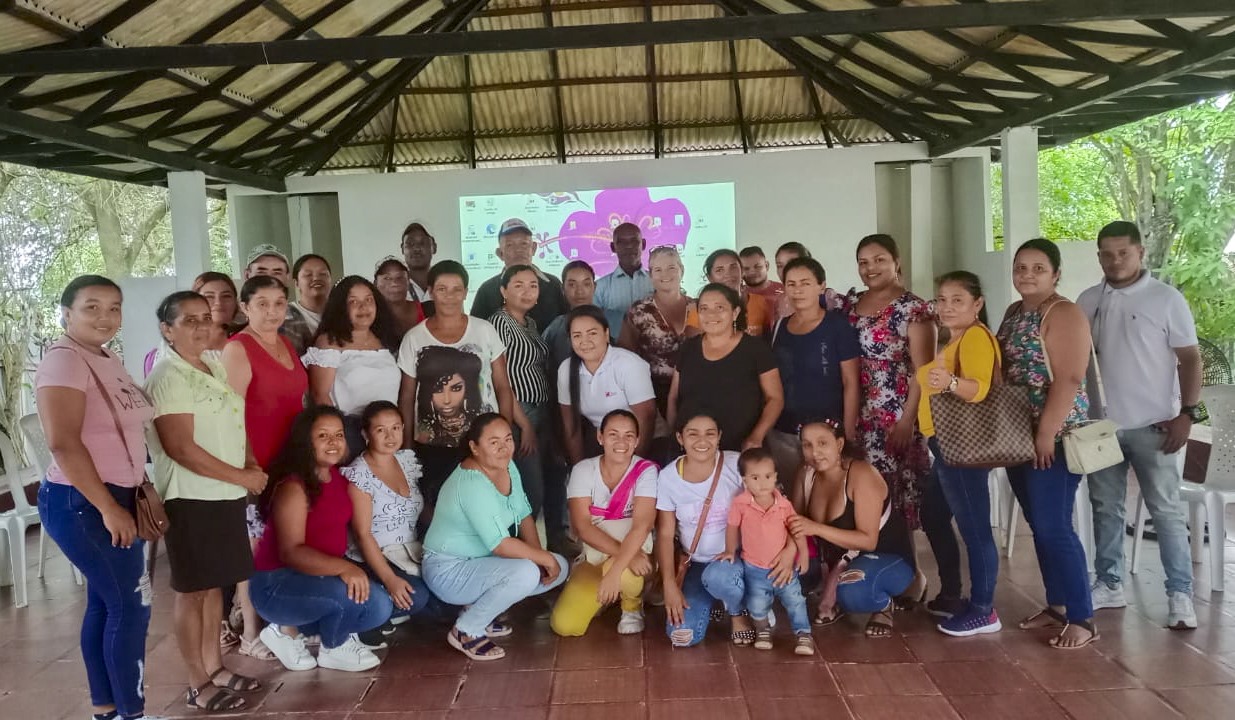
x,y
679,574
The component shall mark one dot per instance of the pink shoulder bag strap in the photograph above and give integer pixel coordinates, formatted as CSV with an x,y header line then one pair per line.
x,y
621,494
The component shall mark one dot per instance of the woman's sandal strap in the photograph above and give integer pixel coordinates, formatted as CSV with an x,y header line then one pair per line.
x,y
223,700
238,682
1086,625
825,620
876,622
1048,611
482,645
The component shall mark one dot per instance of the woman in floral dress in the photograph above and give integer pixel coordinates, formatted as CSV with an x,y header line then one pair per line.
x,y
897,332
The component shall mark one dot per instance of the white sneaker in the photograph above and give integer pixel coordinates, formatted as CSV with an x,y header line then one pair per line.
x,y
1183,614
1105,596
351,656
289,650
631,623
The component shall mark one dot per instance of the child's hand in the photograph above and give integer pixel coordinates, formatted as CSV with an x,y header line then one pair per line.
x,y
727,556
803,564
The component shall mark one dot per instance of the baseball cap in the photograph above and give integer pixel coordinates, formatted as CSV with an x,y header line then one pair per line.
x,y
264,250
514,225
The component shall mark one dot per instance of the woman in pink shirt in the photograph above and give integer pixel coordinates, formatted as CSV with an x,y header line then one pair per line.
x,y
94,417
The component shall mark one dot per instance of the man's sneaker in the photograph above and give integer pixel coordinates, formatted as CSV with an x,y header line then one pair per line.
x,y
945,606
971,622
1183,615
351,656
289,650
1107,596
631,623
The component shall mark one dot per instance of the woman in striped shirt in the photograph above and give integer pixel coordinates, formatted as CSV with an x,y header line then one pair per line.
x,y
526,365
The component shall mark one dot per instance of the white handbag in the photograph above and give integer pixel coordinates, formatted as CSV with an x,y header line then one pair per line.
x,y
405,556
1093,446
616,529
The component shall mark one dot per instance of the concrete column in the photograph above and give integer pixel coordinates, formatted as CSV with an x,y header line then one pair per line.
x,y
190,225
1021,219
920,269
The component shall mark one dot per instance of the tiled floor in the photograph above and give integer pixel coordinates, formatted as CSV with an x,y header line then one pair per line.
x,y
1137,670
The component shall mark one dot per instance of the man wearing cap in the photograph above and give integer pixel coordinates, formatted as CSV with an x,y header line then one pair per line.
x,y
516,246
419,247
269,260
629,282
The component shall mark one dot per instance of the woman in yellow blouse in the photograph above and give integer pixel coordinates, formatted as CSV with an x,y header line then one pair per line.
x,y
964,367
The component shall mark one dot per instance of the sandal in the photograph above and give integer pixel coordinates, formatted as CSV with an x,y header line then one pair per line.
x,y
479,648
223,700
238,682
822,620
880,624
498,629
1047,617
228,638
763,635
915,594
256,649
1086,625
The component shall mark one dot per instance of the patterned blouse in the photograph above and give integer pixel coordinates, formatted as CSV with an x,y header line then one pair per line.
x,y
657,343
1024,363
394,516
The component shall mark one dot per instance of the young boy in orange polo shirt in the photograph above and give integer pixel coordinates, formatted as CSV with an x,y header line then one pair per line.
x,y
759,524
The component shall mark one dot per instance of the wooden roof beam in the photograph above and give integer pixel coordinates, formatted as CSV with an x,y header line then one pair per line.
x,y
773,27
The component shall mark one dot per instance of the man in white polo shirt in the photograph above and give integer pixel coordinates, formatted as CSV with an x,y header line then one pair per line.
x,y
1151,368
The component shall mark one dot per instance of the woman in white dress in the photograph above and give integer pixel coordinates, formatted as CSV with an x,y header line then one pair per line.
x,y
352,360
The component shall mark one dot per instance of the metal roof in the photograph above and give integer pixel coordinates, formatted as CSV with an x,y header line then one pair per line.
x,y
251,91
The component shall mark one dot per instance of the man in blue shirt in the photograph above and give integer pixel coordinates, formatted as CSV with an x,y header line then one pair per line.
x,y
629,283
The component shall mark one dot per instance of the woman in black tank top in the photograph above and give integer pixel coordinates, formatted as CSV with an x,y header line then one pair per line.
x,y
865,549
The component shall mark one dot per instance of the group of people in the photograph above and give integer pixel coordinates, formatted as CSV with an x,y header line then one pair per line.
x,y
371,451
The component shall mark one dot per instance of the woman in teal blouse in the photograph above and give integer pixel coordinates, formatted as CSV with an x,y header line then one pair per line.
x,y
482,550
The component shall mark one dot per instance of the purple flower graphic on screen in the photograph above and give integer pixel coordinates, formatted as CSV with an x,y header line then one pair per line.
x,y
585,235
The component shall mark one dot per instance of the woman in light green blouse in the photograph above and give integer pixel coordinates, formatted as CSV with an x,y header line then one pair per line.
x,y
482,549
204,471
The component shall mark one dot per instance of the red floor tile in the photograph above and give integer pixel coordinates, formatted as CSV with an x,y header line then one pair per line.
x,y
1116,705
899,707
505,713
506,690
1202,703
986,677
330,692
883,679
1177,670
698,710
658,652
1090,673
787,680
1019,706
937,647
842,644
605,685
433,692
798,708
599,651
599,711
692,682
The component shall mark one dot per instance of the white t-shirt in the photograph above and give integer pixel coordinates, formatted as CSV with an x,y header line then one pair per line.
x,y
685,500
1136,330
623,380
360,377
586,482
454,381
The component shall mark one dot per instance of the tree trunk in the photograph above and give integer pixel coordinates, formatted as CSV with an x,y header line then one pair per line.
x,y
97,198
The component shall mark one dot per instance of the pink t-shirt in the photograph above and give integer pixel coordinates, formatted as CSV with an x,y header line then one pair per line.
x,y
65,365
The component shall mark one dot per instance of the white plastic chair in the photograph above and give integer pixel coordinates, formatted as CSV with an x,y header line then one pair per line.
x,y
40,455
17,520
1082,517
1218,491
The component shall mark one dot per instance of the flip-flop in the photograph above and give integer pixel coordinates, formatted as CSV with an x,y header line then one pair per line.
x,y
1087,625
1058,619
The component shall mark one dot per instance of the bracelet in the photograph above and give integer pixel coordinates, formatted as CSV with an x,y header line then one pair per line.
x,y
953,384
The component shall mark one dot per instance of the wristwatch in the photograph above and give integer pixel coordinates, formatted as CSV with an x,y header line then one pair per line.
x,y
1192,411
952,385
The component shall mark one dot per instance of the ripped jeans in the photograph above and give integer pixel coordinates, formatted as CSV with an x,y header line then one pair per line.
x,y
871,581
113,631
705,583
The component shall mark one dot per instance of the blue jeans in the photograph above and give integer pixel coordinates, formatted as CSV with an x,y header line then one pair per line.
x,y
969,498
422,599
871,581
937,526
532,468
113,631
1048,498
1159,477
705,583
287,597
488,586
760,592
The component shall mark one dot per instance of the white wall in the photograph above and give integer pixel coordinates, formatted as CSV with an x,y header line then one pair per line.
x,y
825,199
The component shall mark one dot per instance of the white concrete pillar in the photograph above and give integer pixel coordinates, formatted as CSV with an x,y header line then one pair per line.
x,y
921,275
190,225
1021,219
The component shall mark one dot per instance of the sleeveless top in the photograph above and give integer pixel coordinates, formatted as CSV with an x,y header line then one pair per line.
x,y
893,533
325,527
274,398
1024,363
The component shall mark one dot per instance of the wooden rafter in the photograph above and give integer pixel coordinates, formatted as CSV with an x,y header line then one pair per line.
x,y
555,73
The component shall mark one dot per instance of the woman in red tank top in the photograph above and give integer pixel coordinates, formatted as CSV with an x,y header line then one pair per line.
x,y
263,369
